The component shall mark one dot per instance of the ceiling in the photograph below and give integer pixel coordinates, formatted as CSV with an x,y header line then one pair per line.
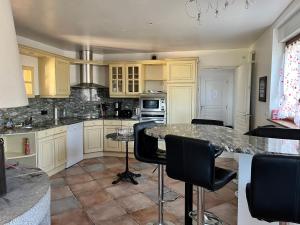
x,y
115,26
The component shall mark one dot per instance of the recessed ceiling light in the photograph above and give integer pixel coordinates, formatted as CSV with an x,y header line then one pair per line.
x,y
150,23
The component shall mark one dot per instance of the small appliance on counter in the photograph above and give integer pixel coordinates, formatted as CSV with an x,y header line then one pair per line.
x,y
117,108
125,113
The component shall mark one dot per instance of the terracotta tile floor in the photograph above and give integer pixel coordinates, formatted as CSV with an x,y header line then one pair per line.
x,y
84,195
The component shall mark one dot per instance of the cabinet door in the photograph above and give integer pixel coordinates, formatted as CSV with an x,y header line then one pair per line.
x,y
46,154
182,71
181,103
116,80
62,77
133,79
93,139
60,146
110,145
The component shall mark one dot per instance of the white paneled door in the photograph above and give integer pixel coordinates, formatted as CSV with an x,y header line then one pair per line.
x,y
242,98
216,95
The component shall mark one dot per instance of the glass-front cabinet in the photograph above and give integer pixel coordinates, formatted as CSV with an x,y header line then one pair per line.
x,y
117,80
133,79
125,80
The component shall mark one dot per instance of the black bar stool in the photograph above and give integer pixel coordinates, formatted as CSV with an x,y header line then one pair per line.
x,y
208,122
274,192
146,150
193,161
275,132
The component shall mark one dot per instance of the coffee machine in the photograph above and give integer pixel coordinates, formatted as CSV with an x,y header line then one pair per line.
x,y
117,108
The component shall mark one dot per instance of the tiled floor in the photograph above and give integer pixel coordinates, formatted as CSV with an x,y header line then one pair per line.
x,y
84,195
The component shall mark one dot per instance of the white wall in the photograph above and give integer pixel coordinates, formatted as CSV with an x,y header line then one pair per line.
x,y
269,50
263,52
207,58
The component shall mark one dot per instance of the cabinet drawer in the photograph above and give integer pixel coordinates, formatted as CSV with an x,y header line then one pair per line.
x,y
112,122
45,133
93,123
58,130
129,123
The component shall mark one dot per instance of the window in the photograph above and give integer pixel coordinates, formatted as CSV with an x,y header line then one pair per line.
x,y
290,81
28,80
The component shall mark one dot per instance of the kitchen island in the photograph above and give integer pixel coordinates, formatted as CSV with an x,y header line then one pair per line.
x,y
27,200
229,140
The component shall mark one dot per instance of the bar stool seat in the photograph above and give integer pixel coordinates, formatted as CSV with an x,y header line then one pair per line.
x,y
193,161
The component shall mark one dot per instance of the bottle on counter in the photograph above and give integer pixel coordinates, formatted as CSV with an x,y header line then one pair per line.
x,y
26,146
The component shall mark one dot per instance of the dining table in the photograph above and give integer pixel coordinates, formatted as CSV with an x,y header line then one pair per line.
x,y
240,146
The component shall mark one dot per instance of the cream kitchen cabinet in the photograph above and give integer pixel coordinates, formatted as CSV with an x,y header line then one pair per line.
x,y
181,102
180,71
51,149
133,79
54,77
93,136
60,146
46,154
111,126
117,80
125,80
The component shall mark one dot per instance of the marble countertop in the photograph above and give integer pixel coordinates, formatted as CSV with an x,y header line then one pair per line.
x,y
48,124
228,139
25,187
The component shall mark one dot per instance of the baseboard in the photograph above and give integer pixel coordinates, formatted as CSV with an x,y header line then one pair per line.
x,y
56,170
92,155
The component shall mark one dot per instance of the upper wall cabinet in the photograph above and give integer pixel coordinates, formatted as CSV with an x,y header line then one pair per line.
x,y
54,77
133,79
117,80
28,75
125,80
181,71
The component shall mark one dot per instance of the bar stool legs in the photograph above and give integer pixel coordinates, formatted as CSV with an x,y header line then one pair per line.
x,y
161,198
200,215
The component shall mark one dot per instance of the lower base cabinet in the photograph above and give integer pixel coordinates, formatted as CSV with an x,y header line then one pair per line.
x,y
46,154
60,146
93,139
111,145
51,151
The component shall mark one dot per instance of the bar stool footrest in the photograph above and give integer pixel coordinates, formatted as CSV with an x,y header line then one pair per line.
x,y
209,218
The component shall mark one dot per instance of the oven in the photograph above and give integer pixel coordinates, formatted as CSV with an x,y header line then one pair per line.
x,y
153,108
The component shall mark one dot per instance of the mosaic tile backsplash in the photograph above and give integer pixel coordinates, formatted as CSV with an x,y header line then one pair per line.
x,y
82,103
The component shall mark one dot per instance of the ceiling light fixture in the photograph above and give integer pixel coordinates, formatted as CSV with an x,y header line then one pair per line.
x,y
195,8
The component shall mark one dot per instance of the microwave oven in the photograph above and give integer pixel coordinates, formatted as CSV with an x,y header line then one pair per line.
x,y
153,103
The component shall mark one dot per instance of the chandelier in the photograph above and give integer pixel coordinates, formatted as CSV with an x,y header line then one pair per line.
x,y
196,8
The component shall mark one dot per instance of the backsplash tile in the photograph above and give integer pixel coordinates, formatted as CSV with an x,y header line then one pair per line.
x,y
78,105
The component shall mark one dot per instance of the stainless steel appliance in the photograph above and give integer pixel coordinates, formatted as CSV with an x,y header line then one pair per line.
x,y
117,108
153,108
86,72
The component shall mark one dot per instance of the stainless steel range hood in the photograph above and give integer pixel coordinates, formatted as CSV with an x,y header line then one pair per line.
x,y
86,73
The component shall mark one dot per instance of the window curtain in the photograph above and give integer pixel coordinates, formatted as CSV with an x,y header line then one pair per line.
x,y
289,85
